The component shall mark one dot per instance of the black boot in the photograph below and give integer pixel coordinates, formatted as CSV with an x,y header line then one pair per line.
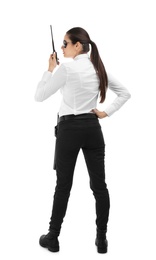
x,y
101,241
50,241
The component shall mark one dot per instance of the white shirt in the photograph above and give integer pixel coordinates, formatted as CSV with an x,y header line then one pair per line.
x,y
79,85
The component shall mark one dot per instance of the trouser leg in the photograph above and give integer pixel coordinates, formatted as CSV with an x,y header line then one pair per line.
x,y
94,156
66,155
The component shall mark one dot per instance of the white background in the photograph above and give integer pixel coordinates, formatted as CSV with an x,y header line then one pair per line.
x,y
124,31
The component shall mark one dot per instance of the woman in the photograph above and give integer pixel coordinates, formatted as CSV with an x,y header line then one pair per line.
x,y
81,82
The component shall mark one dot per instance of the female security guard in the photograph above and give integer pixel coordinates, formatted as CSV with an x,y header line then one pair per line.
x,y
81,82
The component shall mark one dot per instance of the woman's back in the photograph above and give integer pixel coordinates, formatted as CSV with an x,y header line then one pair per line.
x,y
81,87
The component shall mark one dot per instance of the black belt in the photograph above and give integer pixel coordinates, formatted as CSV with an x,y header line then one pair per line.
x,y
81,116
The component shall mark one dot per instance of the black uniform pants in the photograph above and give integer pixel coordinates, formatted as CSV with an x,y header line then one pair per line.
x,y
73,135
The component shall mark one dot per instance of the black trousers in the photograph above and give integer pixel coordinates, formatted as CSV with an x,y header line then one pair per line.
x,y
74,135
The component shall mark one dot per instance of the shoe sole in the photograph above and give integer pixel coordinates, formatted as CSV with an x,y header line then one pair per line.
x,y
54,250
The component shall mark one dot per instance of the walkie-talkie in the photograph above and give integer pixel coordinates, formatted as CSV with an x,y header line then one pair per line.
x,y
53,46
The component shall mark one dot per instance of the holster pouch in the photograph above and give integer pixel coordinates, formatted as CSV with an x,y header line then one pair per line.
x,y
55,130
55,134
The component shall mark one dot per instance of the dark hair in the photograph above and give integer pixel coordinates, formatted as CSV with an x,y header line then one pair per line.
x,y
78,34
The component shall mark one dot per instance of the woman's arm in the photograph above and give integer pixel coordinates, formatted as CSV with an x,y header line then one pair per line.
x,y
50,81
122,96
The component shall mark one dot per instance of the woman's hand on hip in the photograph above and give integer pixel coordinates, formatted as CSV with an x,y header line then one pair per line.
x,y
100,114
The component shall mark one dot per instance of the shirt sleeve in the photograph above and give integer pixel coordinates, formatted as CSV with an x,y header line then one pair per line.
x,y
50,83
122,95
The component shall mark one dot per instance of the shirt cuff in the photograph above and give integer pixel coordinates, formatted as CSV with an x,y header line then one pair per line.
x,y
46,75
110,110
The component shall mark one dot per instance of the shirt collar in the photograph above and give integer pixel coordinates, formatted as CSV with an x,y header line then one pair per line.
x,y
80,56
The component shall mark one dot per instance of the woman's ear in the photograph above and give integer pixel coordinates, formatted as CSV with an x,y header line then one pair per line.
x,y
78,46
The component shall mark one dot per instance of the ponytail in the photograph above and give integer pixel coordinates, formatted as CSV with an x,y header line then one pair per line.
x,y
100,69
